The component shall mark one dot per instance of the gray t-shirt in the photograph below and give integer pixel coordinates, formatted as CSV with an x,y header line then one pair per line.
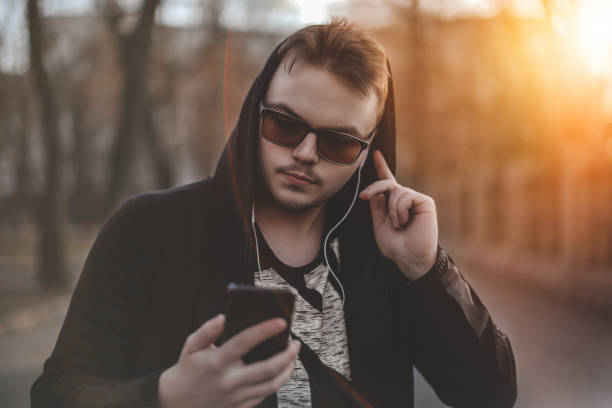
x,y
318,318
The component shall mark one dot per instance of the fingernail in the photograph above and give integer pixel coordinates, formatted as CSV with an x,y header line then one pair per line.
x,y
280,323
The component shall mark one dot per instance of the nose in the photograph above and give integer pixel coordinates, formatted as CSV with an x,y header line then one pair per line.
x,y
306,151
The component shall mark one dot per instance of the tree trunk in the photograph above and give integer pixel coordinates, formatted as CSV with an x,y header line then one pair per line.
x,y
419,142
160,159
84,204
132,122
52,269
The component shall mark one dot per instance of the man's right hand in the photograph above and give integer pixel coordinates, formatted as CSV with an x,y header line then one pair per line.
x,y
210,376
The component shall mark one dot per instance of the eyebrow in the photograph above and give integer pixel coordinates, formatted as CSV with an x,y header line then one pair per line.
x,y
350,129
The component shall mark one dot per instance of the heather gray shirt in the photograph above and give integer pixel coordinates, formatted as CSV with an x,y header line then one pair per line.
x,y
323,330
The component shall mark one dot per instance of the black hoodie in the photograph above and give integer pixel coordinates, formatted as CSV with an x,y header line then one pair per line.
x,y
160,265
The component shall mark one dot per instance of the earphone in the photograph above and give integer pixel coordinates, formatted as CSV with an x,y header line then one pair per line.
x,y
326,237
256,243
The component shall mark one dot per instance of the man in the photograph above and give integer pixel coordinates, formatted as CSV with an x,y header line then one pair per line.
x,y
303,196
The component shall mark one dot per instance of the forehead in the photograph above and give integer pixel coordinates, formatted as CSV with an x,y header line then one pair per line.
x,y
322,98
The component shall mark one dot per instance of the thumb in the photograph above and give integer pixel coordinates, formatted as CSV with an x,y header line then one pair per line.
x,y
205,335
378,208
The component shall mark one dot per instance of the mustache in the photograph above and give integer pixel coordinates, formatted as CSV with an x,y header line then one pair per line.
x,y
305,171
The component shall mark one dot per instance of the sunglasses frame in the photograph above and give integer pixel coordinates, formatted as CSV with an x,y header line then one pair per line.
x,y
363,144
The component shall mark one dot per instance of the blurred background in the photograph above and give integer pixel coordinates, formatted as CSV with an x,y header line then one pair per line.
x,y
504,112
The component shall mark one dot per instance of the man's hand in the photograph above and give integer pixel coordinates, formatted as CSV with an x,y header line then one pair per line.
x,y
405,224
211,376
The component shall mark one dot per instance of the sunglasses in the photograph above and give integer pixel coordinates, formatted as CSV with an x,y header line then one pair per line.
x,y
286,130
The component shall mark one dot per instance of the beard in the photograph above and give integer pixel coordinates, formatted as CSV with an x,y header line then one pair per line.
x,y
301,202
293,205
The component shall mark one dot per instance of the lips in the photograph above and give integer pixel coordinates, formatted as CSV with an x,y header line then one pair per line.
x,y
299,176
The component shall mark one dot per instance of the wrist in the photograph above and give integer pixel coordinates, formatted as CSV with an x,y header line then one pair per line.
x,y
413,270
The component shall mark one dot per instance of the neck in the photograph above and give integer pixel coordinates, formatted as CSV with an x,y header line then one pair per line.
x,y
271,217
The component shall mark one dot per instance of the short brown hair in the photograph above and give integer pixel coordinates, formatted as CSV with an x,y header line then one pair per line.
x,y
351,53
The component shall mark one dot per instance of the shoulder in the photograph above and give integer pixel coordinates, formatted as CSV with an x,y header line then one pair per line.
x,y
168,204
159,211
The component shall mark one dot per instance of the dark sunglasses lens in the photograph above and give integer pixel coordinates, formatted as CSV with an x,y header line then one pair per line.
x,y
281,129
336,147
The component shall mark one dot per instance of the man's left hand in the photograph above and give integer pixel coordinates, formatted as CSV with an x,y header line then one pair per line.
x,y
404,221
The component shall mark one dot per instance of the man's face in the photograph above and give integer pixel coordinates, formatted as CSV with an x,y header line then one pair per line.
x,y
322,100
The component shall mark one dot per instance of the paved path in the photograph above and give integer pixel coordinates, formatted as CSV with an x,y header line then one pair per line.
x,y
22,354
564,355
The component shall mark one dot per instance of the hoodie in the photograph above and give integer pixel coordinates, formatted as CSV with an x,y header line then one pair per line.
x,y
160,264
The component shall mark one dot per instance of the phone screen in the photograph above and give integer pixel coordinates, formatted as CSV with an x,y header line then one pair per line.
x,y
247,305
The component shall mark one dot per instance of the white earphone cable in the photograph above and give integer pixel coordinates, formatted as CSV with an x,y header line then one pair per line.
x,y
325,241
336,226
256,243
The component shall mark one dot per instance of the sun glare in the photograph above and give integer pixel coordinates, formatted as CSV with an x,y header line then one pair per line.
x,y
312,11
594,21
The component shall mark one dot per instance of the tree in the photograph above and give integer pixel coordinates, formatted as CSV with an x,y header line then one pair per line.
x,y
135,116
51,252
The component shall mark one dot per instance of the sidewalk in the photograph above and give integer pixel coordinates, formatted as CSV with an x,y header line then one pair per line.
x,y
23,303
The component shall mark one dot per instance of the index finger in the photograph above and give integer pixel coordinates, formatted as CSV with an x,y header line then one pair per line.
x,y
382,169
240,344
205,335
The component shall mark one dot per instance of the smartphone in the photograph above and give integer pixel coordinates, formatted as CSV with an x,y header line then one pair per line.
x,y
247,305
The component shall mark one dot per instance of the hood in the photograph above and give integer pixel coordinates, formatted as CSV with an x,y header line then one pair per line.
x,y
235,179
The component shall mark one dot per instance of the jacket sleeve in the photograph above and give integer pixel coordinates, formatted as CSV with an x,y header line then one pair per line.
x,y
458,349
92,361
